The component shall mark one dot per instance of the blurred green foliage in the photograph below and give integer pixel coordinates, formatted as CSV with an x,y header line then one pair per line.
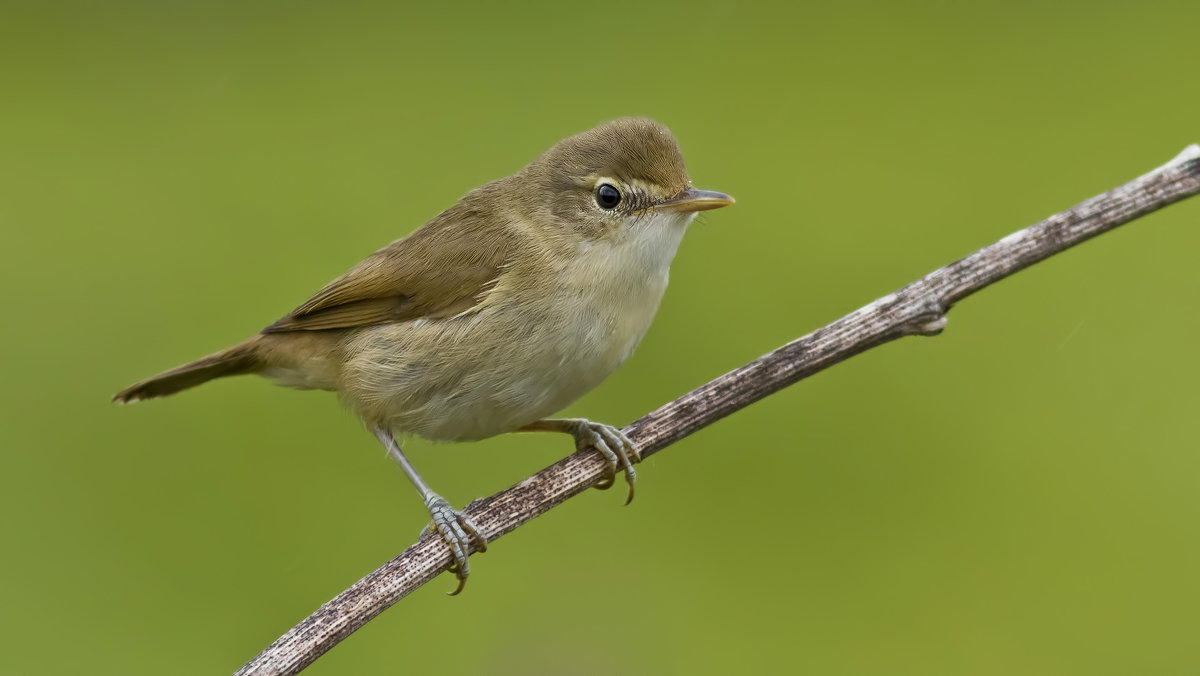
x,y
1015,496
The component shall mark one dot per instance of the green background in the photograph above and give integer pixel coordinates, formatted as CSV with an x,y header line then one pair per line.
x,y
1015,496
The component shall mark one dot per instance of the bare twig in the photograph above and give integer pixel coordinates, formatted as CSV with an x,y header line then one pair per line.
x,y
917,309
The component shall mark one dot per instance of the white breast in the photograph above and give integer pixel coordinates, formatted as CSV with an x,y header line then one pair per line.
x,y
620,283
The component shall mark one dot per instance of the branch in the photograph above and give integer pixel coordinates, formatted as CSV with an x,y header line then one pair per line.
x,y
917,309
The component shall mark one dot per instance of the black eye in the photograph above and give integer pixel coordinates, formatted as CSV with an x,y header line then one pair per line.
x,y
607,196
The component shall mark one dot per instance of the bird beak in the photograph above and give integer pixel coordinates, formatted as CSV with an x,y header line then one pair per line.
x,y
694,200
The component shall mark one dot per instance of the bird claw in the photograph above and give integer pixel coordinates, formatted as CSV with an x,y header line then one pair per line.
x,y
617,449
459,533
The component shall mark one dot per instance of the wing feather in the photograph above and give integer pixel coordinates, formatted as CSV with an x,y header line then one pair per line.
x,y
445,268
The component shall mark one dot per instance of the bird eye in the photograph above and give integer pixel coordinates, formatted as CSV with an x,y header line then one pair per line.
x,y
607,197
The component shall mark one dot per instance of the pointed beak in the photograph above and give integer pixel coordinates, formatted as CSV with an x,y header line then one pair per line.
x,y
694,200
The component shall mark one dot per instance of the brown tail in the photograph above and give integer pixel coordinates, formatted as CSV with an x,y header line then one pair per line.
x,y
236,360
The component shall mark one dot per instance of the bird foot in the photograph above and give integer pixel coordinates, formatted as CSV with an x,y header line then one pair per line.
x,y
618,450
459,533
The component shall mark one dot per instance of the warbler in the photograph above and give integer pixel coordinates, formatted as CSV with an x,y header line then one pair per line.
x,y
500,311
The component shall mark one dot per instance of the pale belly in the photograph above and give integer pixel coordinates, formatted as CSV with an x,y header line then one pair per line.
x,y
480,375
513,362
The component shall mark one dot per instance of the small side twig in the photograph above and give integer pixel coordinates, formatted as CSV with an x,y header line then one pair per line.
x,y
917,309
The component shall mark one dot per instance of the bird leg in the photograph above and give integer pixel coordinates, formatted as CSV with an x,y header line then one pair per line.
x,y
612,443
456,528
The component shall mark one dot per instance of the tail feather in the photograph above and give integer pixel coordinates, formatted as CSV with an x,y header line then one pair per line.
x,y
234,361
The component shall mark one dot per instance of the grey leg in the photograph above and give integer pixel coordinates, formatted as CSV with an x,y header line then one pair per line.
x,y
617,448
459,532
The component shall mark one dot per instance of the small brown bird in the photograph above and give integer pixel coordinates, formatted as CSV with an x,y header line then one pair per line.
x,y
503,309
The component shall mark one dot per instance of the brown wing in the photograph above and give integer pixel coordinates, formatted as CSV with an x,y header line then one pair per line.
x,y
446,267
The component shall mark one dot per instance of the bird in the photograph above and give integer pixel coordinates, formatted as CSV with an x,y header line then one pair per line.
x,y
495,314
